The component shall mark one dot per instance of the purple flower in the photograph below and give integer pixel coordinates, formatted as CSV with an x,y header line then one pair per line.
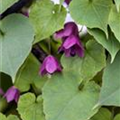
x,y
50,65
72,46
71,43
67,1
12,94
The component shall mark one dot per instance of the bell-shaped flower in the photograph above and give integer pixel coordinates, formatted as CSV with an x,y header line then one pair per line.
x,y
50,65
70,28
12,94
72,46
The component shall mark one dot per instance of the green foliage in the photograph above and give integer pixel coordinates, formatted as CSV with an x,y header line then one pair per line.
x,y
11,117
64,101
117,117
46,19
111,84
103,114
4,4
117,4
86,88
15,43
94,59
111,44
92,13
114,22
28,75
31,108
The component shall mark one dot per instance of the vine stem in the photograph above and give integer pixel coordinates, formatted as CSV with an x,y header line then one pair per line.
x,y
39,53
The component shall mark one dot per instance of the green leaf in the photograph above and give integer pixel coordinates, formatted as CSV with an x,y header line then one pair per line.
x,y
117,2
117,117
111,44
46,18
4,4
10,117
103,114
64,101
94,59
114,22
30,108
15,43
29,74
92,13
110,91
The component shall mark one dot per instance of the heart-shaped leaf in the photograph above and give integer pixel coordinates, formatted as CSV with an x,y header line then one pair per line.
x,y
15,43
64,101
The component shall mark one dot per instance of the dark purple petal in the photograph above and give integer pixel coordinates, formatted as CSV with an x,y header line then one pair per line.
x,y
72,46
67,1
12,94
70,28
80,51
59,34
67,52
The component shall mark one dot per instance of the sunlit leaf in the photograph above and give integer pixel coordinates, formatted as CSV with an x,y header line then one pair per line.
x,y
31,108
46,18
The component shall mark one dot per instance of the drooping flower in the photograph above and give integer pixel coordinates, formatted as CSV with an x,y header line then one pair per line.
x,y
12,94
71,43
72,46
50,65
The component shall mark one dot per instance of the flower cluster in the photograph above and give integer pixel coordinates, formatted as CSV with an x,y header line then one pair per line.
x,y
71,45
